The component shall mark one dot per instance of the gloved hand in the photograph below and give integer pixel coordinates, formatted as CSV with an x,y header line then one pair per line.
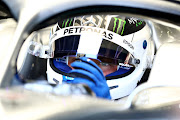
x,y
87,72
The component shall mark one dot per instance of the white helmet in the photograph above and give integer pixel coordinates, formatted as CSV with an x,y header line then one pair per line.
x,y
113,39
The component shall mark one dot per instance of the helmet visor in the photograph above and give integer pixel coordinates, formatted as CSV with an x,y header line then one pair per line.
x,y
96,43
108,52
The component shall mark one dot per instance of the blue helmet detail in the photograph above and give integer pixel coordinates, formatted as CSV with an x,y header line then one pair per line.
x,y
145,44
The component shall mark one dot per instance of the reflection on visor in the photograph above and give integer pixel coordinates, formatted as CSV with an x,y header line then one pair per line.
x,y
113,52
109,52
66,46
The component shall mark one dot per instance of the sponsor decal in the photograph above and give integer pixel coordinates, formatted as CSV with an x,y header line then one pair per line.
x,y
106,34
67,78
139,23
91,20
135,21
74,30
132,20
56,81
128,43
66,23
117,25
112,87
125,66
144,44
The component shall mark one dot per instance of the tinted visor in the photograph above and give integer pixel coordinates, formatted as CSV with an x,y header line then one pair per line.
x,y
66,46
109,52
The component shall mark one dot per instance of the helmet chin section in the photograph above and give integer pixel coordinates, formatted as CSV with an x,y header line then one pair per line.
x,y
122,87
53,77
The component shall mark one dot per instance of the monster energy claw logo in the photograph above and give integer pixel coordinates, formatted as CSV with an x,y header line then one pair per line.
x,y
67,23
117,25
